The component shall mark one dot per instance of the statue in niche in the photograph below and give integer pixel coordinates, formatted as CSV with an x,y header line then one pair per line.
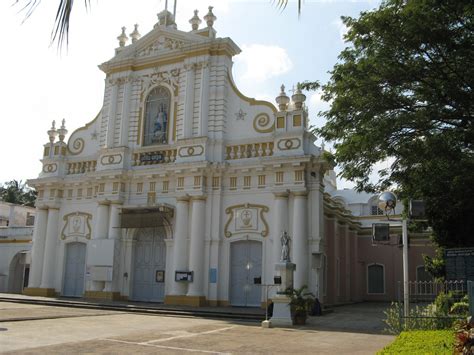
x,y
161,122
285,247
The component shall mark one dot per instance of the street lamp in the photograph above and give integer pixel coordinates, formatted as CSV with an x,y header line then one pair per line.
x,y
387,203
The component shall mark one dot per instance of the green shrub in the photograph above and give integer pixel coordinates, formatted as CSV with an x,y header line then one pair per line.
x,y
421,342
460,308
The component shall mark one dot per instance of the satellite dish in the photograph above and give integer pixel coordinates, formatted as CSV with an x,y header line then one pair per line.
x,y
387,201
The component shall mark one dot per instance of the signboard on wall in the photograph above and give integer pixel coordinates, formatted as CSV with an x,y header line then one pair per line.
x,y
460,264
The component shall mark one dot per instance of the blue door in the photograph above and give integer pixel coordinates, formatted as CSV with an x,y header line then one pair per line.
x,y
246,264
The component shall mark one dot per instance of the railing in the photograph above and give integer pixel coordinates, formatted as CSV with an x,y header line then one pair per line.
x,y
427,291
251,150
154,157
81,167
427,311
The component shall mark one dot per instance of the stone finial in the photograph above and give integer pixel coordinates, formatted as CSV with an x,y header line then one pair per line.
x,y
135,35
122,38
166,18
210,17
282,100
195,21
62,131
298,97
52,133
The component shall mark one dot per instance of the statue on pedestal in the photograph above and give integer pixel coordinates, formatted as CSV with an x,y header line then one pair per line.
x,y
285,247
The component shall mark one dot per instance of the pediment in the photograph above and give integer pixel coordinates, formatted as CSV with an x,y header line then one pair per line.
x,y
160,40
162,44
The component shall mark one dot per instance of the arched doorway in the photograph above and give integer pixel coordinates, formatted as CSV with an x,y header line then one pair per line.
x,y
75,269
245,265
16,273
149,264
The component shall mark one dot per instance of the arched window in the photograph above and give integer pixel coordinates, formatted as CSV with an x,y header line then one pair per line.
x,y
375,278
157,107
374,208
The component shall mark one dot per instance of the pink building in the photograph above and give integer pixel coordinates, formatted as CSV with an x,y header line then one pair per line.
x,y
355,267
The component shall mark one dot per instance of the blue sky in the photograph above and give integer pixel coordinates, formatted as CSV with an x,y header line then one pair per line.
x,y
39,84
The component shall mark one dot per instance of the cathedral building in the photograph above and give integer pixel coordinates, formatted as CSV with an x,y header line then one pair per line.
x,y
181,187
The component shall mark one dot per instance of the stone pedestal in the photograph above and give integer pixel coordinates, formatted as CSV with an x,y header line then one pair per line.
x,y
285,270
281,303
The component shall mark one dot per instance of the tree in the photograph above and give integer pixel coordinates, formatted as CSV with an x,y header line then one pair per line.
x,y
402,92
17,192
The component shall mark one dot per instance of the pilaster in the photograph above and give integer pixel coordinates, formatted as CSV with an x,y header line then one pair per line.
x,y
180,247
196,255
50,252
189,102
37,253
300,239
280,222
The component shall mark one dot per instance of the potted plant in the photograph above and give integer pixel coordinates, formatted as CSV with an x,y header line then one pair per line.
x,y
301,302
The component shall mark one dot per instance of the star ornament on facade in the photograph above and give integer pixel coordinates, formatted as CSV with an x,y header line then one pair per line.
x,y
240,115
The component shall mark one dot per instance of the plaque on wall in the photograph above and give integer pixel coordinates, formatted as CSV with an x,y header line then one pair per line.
x,y
160,276
183,276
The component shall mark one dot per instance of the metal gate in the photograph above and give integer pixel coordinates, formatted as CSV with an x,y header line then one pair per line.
x,y
149,266
246,264
75,268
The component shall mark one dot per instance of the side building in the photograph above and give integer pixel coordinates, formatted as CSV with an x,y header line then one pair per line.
x,y
16,233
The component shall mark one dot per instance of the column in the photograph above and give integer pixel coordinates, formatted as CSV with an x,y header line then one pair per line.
x,y
114,225
102,220
188,102
114,233
300,240
204,100
111,114
37,253
196,255
100,232
179,245
280,223
49,263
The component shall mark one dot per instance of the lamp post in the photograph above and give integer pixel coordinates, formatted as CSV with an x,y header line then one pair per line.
x,y
387,203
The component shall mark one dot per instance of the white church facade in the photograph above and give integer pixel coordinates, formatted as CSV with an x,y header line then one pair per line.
x,y
180,188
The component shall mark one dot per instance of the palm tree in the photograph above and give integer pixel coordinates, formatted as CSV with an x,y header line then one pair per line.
x,y
60,32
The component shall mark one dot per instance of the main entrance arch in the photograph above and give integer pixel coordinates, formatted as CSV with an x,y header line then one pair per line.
x,y
149,264
246,264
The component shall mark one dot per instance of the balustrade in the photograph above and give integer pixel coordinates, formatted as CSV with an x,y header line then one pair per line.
x,y
81,167
251,150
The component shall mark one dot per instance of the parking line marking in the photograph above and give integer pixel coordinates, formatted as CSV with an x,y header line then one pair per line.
x,y
167,347
187,335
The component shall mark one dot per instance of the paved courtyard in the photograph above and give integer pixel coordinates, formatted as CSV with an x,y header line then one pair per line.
x,y
34,329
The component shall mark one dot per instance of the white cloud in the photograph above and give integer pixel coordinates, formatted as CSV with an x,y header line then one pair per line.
x,y
262,62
